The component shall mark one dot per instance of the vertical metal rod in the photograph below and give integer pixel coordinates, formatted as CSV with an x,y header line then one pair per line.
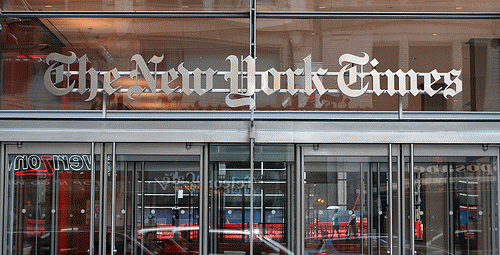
x,y
253,28
467,217
369,204
92,198
104,104
449,209
498,202
125,204
412,201
104,190
101,200
252,170
253,53
11,213
301,199
113,201
389,188
379,207
203,200
401,212
133,207
3,196
54,214
36,214
143,221
361,207
400,107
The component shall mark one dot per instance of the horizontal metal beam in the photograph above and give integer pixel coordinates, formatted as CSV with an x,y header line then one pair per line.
x,y
124,14
300,116
378,15
246,14
236,131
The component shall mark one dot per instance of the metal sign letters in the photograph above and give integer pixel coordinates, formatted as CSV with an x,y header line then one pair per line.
x,y
240,94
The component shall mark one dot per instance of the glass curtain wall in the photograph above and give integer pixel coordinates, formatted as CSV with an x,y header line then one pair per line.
x,y
459,50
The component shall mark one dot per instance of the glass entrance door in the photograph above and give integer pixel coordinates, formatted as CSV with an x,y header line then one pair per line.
x,y
422,199
154,195
456,199
49,193
347,205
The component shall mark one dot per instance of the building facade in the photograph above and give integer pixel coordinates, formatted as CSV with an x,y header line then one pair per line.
x,y
250,127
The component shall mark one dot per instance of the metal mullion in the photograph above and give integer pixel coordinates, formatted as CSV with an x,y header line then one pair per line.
x,y
252,170
4,198
253,53
113,200
203,203
379,207
92,198
369,203
412,201
11,217
361,207
143,166
102,206
400,189
300,204
498,201
389,189
134,195
125,204
53,215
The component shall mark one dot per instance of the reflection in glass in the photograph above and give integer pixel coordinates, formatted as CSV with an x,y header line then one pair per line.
x,y
230,200
455,208
48,203
157,206
108,43
346,205
418,45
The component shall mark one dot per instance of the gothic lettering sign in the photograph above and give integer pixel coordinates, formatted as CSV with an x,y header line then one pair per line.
x,y
351,73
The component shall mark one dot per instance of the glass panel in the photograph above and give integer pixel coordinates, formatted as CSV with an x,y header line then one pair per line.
x,y
378,6
126,5
49,207
157,204
418,45
346,205
455,205
230,199
107,43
